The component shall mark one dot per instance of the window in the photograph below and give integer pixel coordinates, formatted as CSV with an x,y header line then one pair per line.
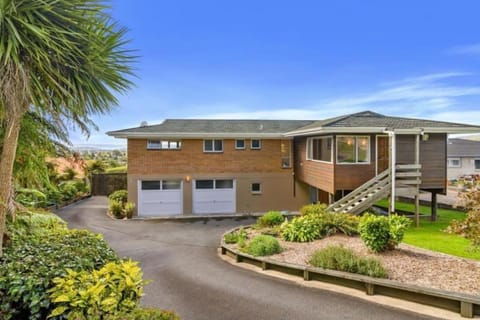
x,y
255,144
214,184
164,144
162,185
150,185
213,145
320,149
454,163
353,149
239,144
256,187
477,164
223,184
204,184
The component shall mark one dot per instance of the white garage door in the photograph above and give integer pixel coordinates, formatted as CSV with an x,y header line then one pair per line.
x,y
214,196
160,197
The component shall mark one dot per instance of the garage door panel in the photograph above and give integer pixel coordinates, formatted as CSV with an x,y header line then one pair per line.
x,y
159,202
214,200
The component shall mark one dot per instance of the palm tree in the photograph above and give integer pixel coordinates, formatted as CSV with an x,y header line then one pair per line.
x,y
62,58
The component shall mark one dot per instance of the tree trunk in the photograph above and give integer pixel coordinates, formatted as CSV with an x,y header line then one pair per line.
x,y
12,129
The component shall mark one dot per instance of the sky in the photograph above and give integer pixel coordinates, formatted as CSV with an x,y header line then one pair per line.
x,y
296,60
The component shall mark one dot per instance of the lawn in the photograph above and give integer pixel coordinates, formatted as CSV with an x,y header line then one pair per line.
x,y
430,234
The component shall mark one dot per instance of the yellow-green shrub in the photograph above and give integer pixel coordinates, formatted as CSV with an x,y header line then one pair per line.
x,y
111,290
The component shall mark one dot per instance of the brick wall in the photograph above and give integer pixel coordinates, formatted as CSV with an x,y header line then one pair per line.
x,y
191,158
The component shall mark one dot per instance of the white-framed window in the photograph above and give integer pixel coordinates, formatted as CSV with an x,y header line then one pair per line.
x,y
476,164
353,149
240,144
214,184
320,149
454,162
164,144
255,144
212,145
256,187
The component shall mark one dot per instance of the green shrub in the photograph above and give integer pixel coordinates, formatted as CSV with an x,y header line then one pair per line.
x,y
380,233
129,208
270,219
301,229
35,223
317,208
263,245
67,190
114,288
236,236
116,209
29,265
332,223
119,195
275,231
81,186
339,258
31,197
145,314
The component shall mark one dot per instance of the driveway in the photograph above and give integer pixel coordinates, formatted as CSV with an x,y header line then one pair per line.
x,y
187,276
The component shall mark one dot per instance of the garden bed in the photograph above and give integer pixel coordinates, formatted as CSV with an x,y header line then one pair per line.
x,y
406,264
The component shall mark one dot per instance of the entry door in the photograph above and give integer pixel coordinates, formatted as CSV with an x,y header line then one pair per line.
x,y
383,152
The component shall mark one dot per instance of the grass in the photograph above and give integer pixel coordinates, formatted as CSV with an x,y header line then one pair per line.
x,y
121,169
430,234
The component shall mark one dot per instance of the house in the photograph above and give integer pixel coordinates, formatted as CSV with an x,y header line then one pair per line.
x,y
463,158
227,166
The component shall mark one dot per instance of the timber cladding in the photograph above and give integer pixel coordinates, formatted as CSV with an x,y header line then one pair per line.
x,y
191,159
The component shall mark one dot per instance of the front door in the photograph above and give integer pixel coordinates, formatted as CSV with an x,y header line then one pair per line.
x,y
383,159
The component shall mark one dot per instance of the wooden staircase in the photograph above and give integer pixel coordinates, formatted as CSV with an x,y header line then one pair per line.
x,y
407,182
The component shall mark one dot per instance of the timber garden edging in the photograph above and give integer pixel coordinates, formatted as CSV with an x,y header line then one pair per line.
x,y
467,305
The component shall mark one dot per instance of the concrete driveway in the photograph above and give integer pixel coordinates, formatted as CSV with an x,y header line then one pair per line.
x,y
187,275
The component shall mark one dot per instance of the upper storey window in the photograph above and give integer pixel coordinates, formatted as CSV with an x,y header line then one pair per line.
x,y
353,149
164,144
212,145
320,149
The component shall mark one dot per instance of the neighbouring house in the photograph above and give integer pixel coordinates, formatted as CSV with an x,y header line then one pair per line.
x,y
463,158
229,166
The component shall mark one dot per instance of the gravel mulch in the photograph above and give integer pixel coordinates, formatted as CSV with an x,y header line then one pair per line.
x,y
407,264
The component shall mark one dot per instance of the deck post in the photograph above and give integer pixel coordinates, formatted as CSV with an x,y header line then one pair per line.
x,y
393,160
433,205
417,191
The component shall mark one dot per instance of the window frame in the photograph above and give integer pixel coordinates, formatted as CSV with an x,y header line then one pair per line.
x,y
259,191
474,165
259,144
355,137
309,148
450,165
213,146
159,143
240,148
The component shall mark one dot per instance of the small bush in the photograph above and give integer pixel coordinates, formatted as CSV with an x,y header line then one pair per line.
x,y
35,223
29,265
301,229
120,196
116,209
270,219
343,259
114,288
68,190
318,208
145,314
31,198
263,245
275,231
129,208
380,233
236,236
470,226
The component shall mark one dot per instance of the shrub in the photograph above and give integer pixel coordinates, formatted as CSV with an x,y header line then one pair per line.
x,y
35,223
263,245
114,288
470,227
339,258
270,219
29,265
31,197
301,229
145,314
119,195
317,208
332,223
236,236
275,231
129,208
116,209
68,190
380,233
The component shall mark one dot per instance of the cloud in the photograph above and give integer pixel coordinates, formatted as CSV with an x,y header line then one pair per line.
x,y
472,49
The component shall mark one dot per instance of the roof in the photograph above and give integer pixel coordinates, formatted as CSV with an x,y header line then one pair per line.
x,y
463,148
204,128
368,121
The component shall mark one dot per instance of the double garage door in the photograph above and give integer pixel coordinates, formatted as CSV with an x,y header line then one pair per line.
x,y
165,197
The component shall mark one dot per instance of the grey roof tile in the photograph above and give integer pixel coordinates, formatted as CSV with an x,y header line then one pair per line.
x,y
463,148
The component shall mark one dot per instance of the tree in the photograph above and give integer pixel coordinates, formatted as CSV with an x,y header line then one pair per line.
x,y
64,59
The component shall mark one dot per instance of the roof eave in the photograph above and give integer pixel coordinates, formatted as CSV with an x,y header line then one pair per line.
x,y
196,135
